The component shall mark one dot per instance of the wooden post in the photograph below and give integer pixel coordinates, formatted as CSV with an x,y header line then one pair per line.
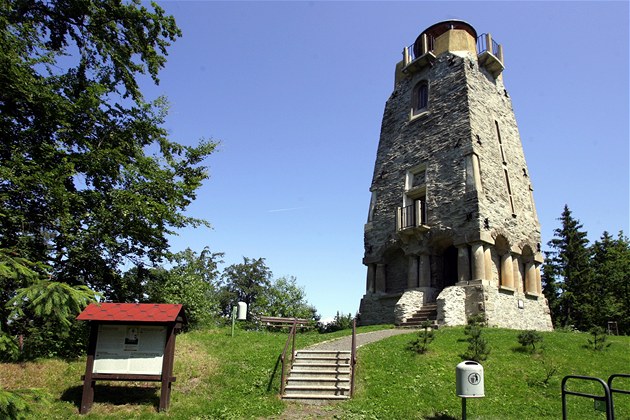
x,y
167,368
88,383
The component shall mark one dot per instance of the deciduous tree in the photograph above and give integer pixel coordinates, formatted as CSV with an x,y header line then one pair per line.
x,y
88,176
286,299
245,282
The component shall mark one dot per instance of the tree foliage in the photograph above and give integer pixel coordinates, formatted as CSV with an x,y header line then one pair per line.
x,y
339,322
286,299
245,282
88,177
192,281
252,282
79,189
425,336
529,338
611,281
569,268
587,285
478,349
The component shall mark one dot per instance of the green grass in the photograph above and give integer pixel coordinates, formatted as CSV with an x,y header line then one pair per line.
x,y
394,383
220,377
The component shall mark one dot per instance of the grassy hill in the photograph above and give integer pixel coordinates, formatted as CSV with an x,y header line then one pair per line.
x,y
220,377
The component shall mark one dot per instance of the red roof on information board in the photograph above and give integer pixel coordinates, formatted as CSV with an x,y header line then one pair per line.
x,y
139,312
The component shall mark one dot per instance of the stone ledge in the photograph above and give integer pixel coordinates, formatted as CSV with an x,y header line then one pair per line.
x,y
507,290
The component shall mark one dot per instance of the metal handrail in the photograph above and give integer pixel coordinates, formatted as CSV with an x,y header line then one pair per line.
x,y
613,390
353,356
606,397
482,45
290,339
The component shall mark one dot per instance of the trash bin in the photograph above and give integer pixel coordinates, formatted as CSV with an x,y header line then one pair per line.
x,y
469,379
242,311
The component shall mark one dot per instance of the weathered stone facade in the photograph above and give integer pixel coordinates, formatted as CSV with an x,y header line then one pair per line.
x,y
452,216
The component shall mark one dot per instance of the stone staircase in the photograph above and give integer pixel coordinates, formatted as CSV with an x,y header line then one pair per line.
x,y
319,375
427,312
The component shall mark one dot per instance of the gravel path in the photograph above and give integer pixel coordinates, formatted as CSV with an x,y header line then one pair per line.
x,y
345,343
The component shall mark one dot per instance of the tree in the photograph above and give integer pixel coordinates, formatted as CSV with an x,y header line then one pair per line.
x,y
286,299
478,349
569,268
245,282
550,286
611,281
529,338
192,281
339,322
40,311
88,177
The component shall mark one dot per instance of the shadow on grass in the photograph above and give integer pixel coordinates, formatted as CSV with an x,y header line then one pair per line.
x,y
441,416
116,395
274,373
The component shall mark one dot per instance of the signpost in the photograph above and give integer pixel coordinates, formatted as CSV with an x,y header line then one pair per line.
x,y
131,342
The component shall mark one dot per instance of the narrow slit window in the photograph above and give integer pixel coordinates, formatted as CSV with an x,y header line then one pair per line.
x,y
420,100
509,190
496,123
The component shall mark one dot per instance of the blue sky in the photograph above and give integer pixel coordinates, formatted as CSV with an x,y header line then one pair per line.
x,y
295,92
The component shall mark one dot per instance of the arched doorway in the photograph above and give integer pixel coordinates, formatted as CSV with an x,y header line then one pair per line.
x,y
449,267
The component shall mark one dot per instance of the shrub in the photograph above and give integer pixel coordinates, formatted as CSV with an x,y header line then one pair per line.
x,y
340,322
478,349
421,344
530,338
598,343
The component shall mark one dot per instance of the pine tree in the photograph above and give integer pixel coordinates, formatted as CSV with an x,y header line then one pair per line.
x,y
611,280
569,267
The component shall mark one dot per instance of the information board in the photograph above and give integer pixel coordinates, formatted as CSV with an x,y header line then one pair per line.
x,y
130,349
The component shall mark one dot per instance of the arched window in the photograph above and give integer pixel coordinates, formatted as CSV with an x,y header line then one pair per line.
x,y
420,99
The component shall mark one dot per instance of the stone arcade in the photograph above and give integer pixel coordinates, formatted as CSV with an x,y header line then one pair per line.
x,y
452,223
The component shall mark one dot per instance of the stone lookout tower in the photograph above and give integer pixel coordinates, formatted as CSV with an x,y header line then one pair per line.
x,y
452,228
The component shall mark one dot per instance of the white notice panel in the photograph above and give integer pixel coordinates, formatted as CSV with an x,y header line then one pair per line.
x,y
130,349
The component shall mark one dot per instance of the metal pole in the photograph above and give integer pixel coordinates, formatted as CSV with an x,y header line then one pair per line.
x,y
463,408
233,318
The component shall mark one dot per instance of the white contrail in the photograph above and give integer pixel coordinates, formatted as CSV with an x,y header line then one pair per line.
x,y
286,209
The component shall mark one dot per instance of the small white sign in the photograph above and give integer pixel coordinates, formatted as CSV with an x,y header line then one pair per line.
x,y
132,349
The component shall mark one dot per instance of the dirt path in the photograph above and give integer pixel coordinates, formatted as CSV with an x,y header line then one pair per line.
x,y
344,343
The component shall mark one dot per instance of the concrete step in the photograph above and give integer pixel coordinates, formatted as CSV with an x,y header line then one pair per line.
x,y
336,373
322,360
319,390
309,398
332,380
318,376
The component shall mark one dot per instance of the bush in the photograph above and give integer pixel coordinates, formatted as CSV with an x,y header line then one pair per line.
x,y
340,322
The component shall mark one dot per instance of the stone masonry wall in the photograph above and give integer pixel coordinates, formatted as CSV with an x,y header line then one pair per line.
x,y
440,138
457,303
377,309
409,303
502,310
489,102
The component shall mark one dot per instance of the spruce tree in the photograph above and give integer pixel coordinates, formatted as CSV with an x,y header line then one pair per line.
x,y
569,266
611,281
